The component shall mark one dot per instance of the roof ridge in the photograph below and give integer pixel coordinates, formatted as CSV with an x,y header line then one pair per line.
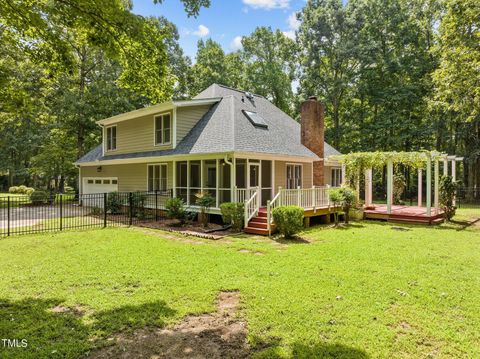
x,y
237,90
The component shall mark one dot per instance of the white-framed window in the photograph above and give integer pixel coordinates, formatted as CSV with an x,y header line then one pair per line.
x,y
294,176
336,177
111,134
157,177
163,129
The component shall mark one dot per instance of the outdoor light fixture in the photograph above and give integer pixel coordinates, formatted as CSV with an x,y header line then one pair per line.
x,y
99,169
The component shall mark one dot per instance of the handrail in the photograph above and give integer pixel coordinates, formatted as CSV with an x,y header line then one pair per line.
x,y
271,204
306,198
252,206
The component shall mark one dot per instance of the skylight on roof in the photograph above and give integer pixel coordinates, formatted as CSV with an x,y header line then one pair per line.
x,y
255,119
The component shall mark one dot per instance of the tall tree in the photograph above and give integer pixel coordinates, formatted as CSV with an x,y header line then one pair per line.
x,y
457,81
134,41
213,66
328,38
394,77
270,59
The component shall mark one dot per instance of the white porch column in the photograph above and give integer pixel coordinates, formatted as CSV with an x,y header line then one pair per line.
x,y
174,179
273,178
357,186
389,186
437,178
429,186
217,183
188,182
454,177
368,186
445,167
233,179
344,175
202,180
420,187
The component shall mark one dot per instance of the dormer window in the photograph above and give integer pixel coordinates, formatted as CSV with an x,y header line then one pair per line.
x,y
163,129
111,133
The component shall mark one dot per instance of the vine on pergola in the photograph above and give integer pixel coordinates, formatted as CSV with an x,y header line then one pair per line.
x,y
357,162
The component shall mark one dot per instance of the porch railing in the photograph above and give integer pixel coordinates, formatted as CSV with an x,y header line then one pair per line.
x,y
252,205
244,194
271,205
306,198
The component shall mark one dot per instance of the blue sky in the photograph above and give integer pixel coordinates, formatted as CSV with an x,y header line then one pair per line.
x,y
225,21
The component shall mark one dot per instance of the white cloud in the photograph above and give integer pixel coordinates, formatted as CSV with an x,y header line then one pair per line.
x,y
202,31
293,25
267,4
290,34
293,22
236,43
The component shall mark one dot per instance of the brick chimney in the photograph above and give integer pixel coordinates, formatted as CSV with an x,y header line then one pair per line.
x,y
312,121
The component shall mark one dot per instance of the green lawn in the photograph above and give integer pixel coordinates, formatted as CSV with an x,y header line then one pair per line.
x,y
369,290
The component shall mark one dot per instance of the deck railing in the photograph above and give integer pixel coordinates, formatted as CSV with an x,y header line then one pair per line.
x,y
252,205
307,198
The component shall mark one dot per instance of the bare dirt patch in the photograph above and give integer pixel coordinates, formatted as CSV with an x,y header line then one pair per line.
x,y
60,309
217,335
245,250
214,231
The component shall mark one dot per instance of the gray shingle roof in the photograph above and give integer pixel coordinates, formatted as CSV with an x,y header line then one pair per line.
x,y
225,128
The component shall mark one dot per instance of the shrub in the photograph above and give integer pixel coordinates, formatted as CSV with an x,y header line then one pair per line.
x,y
288,219
96,211
69,190
114,203
13,189
344,197
448,188
138,202
39,198
232,213
22,189
205,201
336,198
29,191
176,209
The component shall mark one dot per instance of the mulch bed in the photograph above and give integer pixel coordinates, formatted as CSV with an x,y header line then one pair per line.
x,y
191,229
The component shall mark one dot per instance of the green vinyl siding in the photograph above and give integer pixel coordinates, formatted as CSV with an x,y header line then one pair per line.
x,y
187,117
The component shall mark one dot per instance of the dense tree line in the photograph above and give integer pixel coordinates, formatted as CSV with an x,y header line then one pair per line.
x,y
394,75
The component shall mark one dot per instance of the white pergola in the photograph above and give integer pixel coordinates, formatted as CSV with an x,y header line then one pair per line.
x,y
427,158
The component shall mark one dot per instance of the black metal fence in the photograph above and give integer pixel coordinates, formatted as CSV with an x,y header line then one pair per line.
x,y
468,198
21,214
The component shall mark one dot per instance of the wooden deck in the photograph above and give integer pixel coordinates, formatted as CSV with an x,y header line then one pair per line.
x,y
404,214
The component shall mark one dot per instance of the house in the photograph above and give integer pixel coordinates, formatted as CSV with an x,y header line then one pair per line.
x,y
228,142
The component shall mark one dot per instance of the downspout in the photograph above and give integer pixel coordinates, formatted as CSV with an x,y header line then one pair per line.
x,y
232,184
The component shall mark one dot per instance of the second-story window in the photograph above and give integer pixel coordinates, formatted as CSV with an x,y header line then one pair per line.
x,y
111,133
163,129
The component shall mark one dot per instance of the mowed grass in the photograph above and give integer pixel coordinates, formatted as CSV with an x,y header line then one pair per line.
x,y
367,290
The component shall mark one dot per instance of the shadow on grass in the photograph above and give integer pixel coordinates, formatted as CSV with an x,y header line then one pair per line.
x,y
325,350
350,225
299,350
67,333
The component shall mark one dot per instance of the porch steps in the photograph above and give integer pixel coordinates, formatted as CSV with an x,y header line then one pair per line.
x,y
258,225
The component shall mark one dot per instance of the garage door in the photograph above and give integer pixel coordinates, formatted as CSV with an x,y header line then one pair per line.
x,y
100,185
